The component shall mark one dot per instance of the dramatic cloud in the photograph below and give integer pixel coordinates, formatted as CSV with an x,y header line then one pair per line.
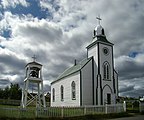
x,y
13,3
57,32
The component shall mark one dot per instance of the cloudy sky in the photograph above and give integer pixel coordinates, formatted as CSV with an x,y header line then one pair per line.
x,y
57,32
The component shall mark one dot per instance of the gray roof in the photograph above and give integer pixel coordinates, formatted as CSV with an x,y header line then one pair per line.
x,y
101,39
34,63
73,69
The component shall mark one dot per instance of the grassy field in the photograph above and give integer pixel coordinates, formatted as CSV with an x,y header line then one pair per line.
x,y
8,111
86,117
31,112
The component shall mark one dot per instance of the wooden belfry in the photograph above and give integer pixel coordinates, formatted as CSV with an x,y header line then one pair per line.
x,y
34,76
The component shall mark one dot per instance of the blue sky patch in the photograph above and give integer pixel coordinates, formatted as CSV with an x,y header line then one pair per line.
x,y
133,54
6,33
34,9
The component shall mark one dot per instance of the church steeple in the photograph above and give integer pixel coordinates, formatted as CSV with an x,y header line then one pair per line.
x,y
99,30
99,35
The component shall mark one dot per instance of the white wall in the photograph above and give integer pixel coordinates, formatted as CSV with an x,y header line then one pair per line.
x,y
66,82
93,51
109,59
87,84
104,58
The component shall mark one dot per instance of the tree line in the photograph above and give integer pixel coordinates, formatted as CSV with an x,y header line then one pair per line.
x,y
11,92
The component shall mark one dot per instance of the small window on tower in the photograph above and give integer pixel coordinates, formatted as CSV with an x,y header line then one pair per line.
x,y
103,32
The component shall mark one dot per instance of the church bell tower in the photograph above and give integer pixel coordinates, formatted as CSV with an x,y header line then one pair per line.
x,y
34,76
105,77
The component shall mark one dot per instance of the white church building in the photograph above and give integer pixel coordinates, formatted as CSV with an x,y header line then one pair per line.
x,y
93,81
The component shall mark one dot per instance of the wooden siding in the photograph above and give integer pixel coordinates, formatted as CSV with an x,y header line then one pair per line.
x,y
66,82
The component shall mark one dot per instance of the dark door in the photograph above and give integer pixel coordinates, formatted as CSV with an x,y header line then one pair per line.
x,y
108,98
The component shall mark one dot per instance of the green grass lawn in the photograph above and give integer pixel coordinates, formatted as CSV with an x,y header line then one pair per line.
x,y
16,112
86,117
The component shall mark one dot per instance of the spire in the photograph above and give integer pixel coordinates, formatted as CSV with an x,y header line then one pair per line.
x,y
98,31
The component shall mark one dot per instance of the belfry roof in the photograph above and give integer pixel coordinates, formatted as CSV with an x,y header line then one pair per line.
x,y
34,63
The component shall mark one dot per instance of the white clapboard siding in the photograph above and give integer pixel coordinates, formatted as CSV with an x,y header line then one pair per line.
x,y
66,82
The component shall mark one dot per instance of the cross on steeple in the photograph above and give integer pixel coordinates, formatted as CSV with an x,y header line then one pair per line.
x,y
34,58
99,19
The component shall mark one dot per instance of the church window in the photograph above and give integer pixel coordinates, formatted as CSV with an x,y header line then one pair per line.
x,y
73,87
53,93
106,71
62,93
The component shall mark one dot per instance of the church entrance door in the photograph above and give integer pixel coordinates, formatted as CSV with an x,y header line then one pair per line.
x,y
108,98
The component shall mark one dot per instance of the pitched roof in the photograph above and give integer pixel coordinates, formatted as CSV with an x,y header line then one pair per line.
x,y
101,39
34,63
73,69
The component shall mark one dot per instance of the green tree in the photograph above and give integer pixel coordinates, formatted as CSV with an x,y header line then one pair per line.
x,y
12,92
1,93
15,92
6,93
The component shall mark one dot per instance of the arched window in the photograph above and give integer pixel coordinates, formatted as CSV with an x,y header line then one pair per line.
x,y
73,88
62,93
106,71
53,94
